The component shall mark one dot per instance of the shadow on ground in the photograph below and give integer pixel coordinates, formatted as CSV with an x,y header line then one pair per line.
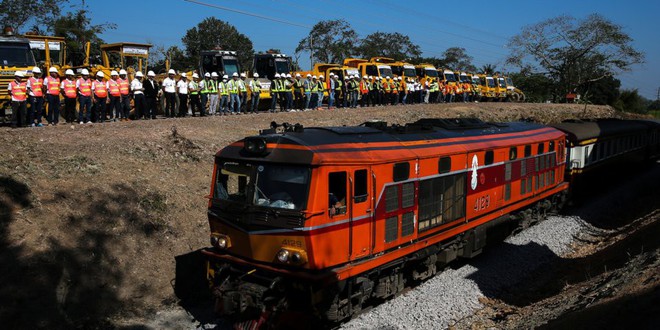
x,y
72,281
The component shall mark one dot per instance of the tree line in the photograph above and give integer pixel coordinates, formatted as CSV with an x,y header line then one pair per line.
x,y
547,60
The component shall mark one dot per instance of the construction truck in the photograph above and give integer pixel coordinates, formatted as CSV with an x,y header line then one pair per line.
x,y
488,88
513,94
267,65
399,69
476,87
367,67
15,55
448,76
48,51
326,69
500,88
426,71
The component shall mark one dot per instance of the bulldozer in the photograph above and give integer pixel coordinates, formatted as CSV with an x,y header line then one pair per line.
x,y
129,56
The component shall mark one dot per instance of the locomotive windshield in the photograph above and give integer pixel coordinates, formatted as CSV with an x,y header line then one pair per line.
x,y
267,185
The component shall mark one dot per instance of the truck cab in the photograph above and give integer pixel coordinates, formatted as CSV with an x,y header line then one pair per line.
x,y
15,55
219,61
267,65
130,56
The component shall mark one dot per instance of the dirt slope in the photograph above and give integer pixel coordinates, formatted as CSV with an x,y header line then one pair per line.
x,y
92,216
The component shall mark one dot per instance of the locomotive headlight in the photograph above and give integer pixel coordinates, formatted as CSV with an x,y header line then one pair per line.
x,y
283,255
255,145
220,241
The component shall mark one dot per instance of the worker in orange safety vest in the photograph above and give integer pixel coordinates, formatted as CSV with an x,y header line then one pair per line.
x,y
68,89
18,91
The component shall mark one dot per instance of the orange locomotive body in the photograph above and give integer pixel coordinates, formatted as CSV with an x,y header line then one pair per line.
x,y
324,219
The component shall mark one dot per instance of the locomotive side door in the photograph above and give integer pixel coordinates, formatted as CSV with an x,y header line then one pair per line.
x,y
360,213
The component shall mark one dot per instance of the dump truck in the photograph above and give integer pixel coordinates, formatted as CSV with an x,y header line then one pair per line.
x,y
366,67
15,55
426,71
267,65
488,87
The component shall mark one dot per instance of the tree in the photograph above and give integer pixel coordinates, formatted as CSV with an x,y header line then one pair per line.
x,y
603,91
212,33
631,101
17,13
178,59
537,87
77,30
456,58
574,52
488,69
331,41
394,45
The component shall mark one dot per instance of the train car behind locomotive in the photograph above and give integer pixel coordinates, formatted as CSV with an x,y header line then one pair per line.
x,y
323,219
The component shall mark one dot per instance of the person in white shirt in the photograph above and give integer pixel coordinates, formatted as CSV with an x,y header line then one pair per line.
x,y
138,95
182,92
169,90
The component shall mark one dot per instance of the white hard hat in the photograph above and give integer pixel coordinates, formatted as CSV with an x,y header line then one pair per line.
x,y
256,75
225,77
207,75
19,74
331,74
195,75
309,75
171,71
139,74
183,75
388,77
214,74
321,76
100,74
365,77
36,69
243,75
69,72
288,75
122,71
297,75
345,77
235,74
53,69
351,76
357,75
84,72
277,75
113,73
314,77
151,74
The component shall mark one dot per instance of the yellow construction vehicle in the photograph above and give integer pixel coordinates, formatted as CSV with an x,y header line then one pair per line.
x,y
15,55
513,94
448,76
426,71
367,67
476,87
488,88
48,51
129,56
267,65
500,88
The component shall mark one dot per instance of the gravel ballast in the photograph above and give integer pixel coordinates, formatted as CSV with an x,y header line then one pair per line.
x,y
454,293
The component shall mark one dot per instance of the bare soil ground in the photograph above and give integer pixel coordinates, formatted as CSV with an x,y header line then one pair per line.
x,y
93,216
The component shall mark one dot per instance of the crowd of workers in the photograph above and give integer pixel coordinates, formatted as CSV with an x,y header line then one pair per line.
x,y
96,99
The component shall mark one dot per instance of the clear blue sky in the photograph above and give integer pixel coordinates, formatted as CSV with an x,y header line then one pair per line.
x,y
481,27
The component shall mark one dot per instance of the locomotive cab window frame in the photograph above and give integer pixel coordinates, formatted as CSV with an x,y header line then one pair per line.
x,y
401,172
489,157
337,193
360,186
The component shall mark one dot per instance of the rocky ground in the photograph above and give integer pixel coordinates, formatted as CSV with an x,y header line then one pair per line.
x,y
95,219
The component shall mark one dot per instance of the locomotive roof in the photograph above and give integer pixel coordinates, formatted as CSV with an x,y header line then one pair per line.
x,y
375,142
583,130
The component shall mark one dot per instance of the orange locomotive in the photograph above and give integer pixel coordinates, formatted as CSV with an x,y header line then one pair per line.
x,y
323,219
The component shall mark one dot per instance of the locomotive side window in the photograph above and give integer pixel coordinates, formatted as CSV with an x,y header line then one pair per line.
x,y
540,149
528,150
513,153
401,171
507,192
551,146
360,186
489,157
444,165
337,193
391,198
